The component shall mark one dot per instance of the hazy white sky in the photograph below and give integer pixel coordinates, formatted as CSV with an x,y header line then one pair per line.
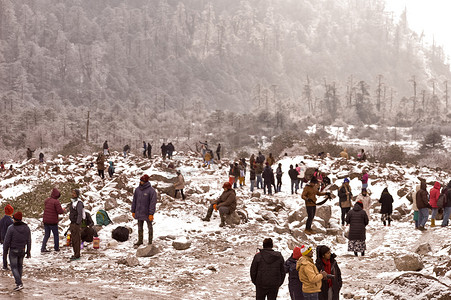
x,y
432,16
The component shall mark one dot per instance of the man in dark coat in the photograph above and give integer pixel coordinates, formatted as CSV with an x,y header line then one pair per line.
x,y
126,150
164,150
144,149
52,208
30,153
423,205
218,151
149,150
17,243
267,271
294,179
447,205
386,202
170,150
106,149
143,207
268,177
226,204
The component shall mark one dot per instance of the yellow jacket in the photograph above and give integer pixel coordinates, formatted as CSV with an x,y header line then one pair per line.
x,y
309,275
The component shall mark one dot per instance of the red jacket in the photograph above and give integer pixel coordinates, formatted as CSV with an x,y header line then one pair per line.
x,y
52,208
434,194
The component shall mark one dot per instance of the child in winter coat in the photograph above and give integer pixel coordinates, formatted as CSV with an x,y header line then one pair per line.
x,y
294,284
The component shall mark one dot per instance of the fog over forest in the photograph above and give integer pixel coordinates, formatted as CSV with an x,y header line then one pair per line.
x,y
222,70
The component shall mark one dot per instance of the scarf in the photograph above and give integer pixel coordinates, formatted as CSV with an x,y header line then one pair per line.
x,y
328,269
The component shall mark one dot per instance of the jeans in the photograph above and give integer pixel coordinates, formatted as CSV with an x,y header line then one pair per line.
x,y
295,185
423,216
267,185
56,238
279,184
252,185
16,263
446,214
125,154
310,296
311,210
259,182
434,213
344,212
364,185
149,228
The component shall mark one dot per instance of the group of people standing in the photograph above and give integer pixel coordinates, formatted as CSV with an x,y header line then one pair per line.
x,y
306,279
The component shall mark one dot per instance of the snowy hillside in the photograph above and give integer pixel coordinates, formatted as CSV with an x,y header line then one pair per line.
x,y
216,264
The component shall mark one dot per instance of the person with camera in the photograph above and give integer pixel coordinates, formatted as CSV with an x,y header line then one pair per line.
x,y
325,261
309,194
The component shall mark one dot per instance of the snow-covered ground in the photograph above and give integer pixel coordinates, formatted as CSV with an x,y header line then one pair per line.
x,y
216,266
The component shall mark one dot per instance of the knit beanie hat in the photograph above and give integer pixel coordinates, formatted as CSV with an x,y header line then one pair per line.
x,y
305,250
18,216
297,252
144,178
360,203
227,185
346,180
9,210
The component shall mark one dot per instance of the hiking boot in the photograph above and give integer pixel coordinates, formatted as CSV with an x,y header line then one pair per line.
x,y
222,224
18,287
72,258
432,222
421,228
45,251
206,219
138,243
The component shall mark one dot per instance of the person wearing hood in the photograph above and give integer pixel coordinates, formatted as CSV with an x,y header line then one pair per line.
x,y
414,205
447,205
143,208
422,200
4,224
357,220
386,202
52,208
17,243
309,275
76,209
344,196
294,284
433,197
366,200
267,271
325,261
110,169
226,204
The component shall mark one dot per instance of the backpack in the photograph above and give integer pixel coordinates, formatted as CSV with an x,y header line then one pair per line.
x,y
87,221
102,218
441,201
120,234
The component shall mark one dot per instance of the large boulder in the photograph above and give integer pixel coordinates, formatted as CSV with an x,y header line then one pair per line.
x,y
256,195
165,188
408,262
423,249
110,204
324,212
297,215
233,219
281,229
160,178
403,191
122,218
130,261
181,244
147,251
414,286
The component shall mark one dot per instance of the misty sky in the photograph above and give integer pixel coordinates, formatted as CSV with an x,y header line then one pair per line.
x,y
432,16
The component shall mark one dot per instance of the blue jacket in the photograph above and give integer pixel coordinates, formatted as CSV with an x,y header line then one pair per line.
x,y
18,236
4,224
144,201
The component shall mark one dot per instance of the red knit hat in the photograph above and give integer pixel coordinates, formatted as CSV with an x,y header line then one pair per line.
x,y
227,185
9,210
297,252
18,216
144,178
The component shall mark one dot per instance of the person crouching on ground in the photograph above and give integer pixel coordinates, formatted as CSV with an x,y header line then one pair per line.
x,y
226,204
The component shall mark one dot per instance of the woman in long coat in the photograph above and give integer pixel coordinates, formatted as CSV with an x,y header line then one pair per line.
x,y
386,202
357,220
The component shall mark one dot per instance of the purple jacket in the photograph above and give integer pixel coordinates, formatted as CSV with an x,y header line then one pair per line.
x,y
144,201
365,178
52,208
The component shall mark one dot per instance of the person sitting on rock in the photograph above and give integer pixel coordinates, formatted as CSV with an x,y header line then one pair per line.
x,y
226,204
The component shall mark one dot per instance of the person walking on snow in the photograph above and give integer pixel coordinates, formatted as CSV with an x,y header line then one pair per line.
x,y
366,200
144,149
423,205
76,209
149,150
143,208
357,220
309,275
126,150
365,179
433,197
294,284
110,169
386,202
294,180
267,271
106,149
344,196
17,243
218,151
4,224
415,207
258,173
52,208
268,177
252,177
226,204
279,177
101,165
447,205
302,170
179,185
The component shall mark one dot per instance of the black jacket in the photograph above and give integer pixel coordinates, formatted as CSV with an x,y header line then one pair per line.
x,y
76,214
293,174
357,220
18,236
294,284
337,282
448,195
268,174
267,269
386,202
252,174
